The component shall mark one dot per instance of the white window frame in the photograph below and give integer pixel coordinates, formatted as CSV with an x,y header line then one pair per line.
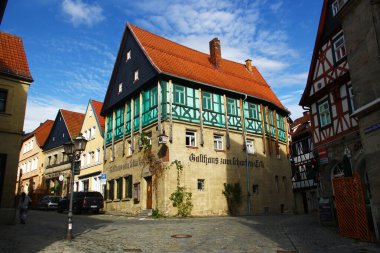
x,y
93,132
83,160
89,158
340,50
207,101
337,5
179,94
218,142
130,151
324,113
250,145
97,155
190,138
120,88
128,55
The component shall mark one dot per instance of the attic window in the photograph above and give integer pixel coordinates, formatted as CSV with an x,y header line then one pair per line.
x,y
120,87
136,77
128,55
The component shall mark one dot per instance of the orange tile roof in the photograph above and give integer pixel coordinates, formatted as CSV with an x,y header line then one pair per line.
x,y
74,121
98,107
12,57
174,59
41,132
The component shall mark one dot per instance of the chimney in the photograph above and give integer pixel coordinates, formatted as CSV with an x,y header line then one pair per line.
x,y
248,65
215,52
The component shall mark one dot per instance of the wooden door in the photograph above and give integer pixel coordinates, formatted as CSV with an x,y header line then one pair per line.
x,y
148,192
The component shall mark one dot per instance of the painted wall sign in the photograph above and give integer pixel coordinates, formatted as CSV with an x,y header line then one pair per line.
x,y
216,160
132,163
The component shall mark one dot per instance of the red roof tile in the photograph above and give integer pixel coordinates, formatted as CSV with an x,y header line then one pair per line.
x,y
98,107
41,132
74,121
174,59
12,57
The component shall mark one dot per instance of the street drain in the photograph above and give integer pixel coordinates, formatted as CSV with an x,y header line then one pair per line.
x,y
182,236
133,250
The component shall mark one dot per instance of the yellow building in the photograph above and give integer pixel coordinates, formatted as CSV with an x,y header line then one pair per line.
x,y
15,79
31,162
92,157
167,103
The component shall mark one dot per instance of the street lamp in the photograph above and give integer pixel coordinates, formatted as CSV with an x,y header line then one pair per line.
x,y
73,150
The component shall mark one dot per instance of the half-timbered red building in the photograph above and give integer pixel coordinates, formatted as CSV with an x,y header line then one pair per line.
x,y
329,98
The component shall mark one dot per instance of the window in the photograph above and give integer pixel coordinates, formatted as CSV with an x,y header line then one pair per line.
x,y
55,159
231,106
351,96
179,94
89,159
93,133
255,188
136,195
120,87
111,189
130,150
252,111
190,139
324,113
31,144
153,97
207,101
337,5
136,76
128,186
85,135
339,48
63,135
128,55
284,183
218,142
97,155
3,99
119,188
201,185
250,147
85,184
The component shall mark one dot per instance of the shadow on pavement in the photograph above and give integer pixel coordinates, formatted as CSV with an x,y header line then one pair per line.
x,y
43,228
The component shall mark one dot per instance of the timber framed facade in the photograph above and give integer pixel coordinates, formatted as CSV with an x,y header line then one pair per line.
x,y
221,133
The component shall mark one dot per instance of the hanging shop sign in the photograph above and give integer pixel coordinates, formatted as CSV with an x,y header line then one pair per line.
x,y
225,161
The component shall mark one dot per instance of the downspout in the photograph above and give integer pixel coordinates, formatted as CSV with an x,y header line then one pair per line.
x,y
246,159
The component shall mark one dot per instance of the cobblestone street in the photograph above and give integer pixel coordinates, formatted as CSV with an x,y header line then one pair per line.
x,y
45,232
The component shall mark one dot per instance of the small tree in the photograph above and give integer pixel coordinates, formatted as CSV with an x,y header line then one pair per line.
x,y
232,192
181,198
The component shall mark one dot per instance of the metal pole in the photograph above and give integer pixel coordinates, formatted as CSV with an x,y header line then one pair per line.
x,y
69,234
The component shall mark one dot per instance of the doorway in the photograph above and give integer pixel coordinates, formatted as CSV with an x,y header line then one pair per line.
x,y
305,204
148,192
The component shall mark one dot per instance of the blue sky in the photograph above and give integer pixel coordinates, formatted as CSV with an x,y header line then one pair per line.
x,y
71,45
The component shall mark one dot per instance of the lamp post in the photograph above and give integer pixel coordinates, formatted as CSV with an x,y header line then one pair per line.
x,y
73,150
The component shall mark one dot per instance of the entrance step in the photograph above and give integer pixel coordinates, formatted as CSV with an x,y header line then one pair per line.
x,y
145,213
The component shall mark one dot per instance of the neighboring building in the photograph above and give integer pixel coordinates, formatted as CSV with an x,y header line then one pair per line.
x,y
329,97
15,79
361,26
217,114
304,171
57,167
92,157
31,161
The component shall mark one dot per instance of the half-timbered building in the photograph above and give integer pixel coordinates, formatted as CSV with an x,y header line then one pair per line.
x,y
304,171
219,118
328,96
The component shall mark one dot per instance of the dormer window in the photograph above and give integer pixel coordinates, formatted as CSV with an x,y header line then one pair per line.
x,y
136,76
128,55
337,5
120,87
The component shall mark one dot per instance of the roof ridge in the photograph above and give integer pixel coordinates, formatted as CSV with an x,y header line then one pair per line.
x,y
192,49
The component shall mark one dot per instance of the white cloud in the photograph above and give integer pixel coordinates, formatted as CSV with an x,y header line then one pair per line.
x,y
82,13
276,6
42,108
265,64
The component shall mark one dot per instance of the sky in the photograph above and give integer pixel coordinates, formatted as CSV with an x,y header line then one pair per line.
x,y
71,45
